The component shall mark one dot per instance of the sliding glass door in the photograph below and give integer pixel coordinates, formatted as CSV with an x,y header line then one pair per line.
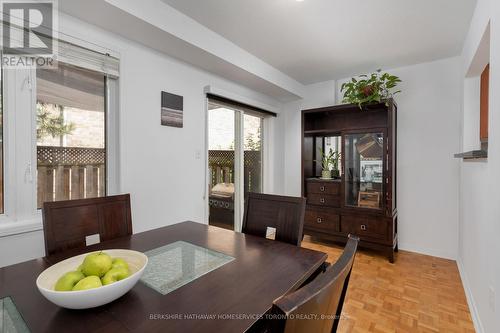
x,y
221,162
252,166
234,162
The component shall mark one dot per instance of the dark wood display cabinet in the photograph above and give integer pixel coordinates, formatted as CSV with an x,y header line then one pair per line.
x,y
363,200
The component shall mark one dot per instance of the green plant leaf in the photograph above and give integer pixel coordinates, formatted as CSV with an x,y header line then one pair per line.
x,y
379,86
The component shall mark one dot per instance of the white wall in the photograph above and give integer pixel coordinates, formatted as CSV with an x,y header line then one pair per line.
x,y
479,246
470,122
428,136
21,247
158,164
316,95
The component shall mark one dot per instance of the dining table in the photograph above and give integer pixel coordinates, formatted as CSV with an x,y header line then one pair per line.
x,y
232,296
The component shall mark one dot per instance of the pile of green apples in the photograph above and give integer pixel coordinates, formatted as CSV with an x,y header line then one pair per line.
x,y
98,269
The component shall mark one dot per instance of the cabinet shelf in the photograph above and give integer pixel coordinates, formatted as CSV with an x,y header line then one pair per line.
x,y
317,132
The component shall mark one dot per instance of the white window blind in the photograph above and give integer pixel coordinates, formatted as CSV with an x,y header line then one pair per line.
x,y
85,58
69,53
233,105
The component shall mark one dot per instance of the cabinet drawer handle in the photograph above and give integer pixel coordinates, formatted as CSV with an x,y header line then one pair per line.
x,y
363,227
322,189
322,200
319,220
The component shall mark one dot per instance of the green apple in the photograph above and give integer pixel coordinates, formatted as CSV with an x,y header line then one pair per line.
x,y
119,262
97,264
115,274
68,281
79,268
89,282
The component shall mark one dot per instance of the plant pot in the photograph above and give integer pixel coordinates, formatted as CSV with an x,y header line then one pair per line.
x,y
326,174
335,173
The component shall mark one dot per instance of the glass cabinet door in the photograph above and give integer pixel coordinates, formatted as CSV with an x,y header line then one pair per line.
x,y
363,173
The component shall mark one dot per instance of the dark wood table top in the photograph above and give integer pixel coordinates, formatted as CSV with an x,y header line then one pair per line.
x,y
246,287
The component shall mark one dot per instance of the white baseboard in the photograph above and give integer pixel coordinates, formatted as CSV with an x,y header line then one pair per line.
x,y
470,298
427,251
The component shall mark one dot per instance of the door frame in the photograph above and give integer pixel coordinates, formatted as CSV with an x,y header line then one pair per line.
x,y
239,168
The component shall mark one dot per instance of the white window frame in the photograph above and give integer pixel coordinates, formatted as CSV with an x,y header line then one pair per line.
x,y
20,155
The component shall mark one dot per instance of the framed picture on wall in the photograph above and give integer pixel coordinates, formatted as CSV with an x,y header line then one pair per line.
x,y
172,109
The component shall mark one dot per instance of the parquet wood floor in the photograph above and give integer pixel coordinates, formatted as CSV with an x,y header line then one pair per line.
x,y
417,293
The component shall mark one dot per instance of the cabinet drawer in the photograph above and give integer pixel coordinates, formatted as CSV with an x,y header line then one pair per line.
x,y
323,200
364,226
322,219
332,188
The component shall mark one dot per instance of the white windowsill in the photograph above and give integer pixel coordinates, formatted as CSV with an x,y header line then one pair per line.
x,y
8,228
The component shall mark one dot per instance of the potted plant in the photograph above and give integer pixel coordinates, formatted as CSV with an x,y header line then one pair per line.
x,y
326,161
370,89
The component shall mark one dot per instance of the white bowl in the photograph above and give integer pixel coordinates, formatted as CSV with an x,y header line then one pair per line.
x,y
84,299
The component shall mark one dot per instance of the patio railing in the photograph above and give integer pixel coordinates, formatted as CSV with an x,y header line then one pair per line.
x,y
221,166
70,173
66,173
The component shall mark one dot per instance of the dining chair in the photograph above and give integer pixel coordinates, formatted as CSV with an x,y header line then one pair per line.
x,y
67,224
284,214
316,307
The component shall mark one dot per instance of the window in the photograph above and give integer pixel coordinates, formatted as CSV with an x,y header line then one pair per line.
x,y
71,132
252,148
58,133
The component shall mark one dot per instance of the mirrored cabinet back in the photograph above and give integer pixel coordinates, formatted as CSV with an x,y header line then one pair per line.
x,y
359,198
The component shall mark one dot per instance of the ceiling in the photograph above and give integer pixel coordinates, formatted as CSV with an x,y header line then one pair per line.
x,y
162,28
319,40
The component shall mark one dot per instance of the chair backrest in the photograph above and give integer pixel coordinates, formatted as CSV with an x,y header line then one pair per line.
x,y
285,214
67,223
324,296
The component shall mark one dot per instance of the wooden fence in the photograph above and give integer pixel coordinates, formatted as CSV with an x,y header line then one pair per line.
x,y
221,166
66,173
